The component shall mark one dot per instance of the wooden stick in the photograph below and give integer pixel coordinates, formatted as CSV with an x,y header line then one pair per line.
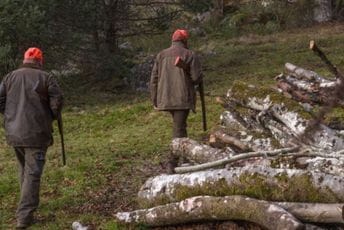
x,y
227,160
333,69
333,101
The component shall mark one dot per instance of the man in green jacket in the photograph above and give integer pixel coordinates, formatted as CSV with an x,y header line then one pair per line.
x,y
175,73
30,99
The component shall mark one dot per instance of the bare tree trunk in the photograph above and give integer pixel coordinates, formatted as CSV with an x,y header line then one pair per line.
x,y
206,208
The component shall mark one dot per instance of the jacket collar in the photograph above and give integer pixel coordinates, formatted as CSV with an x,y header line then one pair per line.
x,y
179,44
31,65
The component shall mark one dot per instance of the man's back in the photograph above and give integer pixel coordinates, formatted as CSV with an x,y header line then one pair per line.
x,y
175,85
28,116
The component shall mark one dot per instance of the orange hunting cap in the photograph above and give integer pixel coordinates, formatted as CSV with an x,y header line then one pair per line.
x,y
180,35
33,54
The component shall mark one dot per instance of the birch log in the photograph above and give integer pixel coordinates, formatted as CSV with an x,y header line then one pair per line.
x,y
296,94
309,87
324,137
334,166
195,152
206,208
315,213
232,141
254,181
308,75
281,133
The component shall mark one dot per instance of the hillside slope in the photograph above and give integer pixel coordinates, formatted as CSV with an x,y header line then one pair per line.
x,y
114,142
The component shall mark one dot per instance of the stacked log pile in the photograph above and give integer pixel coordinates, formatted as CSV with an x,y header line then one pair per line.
x,y
258,166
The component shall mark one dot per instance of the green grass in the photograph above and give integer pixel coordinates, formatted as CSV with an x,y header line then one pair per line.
x,y
115,142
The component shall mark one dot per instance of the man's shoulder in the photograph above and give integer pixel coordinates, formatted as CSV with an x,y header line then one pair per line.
x,y
164,51
173,50
30,69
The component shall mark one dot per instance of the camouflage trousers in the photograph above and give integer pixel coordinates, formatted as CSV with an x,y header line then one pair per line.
x,y
31,162
179,122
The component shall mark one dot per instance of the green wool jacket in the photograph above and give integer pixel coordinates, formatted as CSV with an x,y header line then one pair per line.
x,y
30,99
172,87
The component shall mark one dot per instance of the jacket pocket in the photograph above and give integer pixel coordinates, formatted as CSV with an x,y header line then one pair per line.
x,y
10,109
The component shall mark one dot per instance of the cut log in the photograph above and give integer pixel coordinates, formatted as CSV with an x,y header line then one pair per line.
x,y
232,141
308,93
315,213
195,152
334,166
309,87
296,94
304,74
281,133
218,225
254,181
233,119
206,208
323,137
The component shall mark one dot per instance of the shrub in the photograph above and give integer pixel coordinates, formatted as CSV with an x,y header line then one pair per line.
x,y
196,6
269,16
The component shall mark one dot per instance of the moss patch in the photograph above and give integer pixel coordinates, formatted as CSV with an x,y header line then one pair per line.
x,y
242,91
283,189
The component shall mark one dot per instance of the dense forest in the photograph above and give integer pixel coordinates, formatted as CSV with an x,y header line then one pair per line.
x,y
102,52
91,36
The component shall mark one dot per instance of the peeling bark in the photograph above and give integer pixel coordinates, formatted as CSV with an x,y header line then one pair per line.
x,y
254,181
206,208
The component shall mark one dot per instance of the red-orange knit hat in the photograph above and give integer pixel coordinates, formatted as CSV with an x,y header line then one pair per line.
x,y
180,35
33,54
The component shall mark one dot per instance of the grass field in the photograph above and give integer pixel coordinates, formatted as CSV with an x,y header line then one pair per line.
x,y
115,142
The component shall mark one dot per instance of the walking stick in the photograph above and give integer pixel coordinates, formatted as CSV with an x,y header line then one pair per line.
x,y
204,116
60,126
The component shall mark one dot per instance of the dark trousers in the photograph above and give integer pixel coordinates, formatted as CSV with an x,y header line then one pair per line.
x,y
31,162
179,122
